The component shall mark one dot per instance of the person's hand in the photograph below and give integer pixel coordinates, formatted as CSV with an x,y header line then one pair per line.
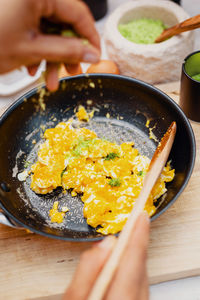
x,y
130,281
22,43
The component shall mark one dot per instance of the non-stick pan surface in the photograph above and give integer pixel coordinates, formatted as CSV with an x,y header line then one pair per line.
x,y
128,102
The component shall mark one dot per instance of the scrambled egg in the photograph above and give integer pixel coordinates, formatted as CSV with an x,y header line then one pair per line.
x,y
108,176
56,216
82,114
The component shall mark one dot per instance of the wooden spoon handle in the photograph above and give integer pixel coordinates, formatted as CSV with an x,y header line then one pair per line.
x,y
186,25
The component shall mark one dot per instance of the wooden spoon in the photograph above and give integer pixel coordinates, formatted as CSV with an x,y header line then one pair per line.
x,y
186,25
155,168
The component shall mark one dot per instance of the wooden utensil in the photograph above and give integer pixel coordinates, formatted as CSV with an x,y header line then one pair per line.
x,y
155,168
186,25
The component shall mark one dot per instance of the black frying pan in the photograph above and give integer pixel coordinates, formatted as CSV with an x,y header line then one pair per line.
x,y
129,102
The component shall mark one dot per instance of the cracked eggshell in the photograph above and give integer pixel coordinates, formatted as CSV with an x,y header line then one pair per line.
x,y
153,63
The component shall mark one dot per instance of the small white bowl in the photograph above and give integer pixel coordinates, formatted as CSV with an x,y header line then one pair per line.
x,y
153,63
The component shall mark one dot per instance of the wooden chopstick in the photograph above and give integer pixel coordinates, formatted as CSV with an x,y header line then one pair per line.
x,y
157,163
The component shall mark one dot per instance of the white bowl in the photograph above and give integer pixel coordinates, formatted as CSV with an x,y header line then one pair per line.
x,y
153,63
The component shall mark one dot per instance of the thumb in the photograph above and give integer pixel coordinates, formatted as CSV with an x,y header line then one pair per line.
x,y
62,49
90,265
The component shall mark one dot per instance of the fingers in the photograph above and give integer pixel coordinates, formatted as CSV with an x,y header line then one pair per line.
x,y
75,13
73,69
32,70
69,70
56,49
62,71
60,49
130,281
144,291
133,264
89,267
51,77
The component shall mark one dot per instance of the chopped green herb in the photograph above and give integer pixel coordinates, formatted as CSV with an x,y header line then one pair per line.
x,y
114,182
27,164
52,30
141,173
111,155
63,171
85,42
49,27
69,33
81,145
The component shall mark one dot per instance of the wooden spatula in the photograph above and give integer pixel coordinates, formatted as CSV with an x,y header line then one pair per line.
x,y
186,25
155,168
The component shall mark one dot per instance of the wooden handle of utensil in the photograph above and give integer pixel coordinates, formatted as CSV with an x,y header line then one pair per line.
x,y
106,275
157,163
186,25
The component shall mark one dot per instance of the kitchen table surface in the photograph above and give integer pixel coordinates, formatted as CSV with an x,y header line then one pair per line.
x,y
188,288
184,289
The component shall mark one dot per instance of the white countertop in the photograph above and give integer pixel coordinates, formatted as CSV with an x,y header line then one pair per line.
x,y
184,289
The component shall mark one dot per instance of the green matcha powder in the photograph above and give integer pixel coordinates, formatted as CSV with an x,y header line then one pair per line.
x,y
142,31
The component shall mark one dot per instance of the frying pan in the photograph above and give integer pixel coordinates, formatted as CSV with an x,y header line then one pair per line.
x,y
128,104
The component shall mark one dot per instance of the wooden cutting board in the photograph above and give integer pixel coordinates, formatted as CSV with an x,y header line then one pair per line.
x,y
35,267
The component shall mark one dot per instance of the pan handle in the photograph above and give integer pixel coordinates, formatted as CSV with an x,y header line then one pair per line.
x,y
7,221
